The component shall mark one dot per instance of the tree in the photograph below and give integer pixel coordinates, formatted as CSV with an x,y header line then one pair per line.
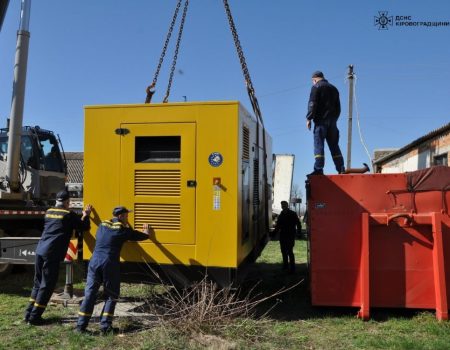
x,y
297,199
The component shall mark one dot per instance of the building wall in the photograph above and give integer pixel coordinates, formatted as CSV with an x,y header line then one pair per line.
x,y
420,157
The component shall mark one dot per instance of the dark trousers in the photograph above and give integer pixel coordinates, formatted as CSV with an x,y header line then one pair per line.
x,y
287,252
100,272
326,130
45,277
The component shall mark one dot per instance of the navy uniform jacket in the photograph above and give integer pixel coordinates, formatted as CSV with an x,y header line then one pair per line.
x,y
287,223
111,235
323,102
58,228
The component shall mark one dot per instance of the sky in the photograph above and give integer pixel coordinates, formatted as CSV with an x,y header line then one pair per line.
x,y
90,52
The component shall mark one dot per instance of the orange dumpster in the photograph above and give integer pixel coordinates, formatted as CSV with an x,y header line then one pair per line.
x,y
380,240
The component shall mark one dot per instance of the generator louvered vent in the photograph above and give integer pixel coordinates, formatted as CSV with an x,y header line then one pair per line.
x,y
161,183
245,143
255,182
160,216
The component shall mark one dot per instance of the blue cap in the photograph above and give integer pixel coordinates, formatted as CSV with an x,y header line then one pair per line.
x,y
317,74
62,196
120,210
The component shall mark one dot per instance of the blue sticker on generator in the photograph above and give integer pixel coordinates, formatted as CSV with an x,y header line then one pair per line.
x,y
215,159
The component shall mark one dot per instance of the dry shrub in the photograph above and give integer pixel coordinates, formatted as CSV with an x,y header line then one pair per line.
x,y
205,307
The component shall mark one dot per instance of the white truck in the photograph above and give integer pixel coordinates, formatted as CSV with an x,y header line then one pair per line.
x,y
283,171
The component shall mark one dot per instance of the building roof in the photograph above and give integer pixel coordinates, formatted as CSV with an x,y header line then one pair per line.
x,y
75,167
432,134
381,153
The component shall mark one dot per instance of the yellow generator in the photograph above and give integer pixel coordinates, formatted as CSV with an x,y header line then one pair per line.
x,y
193,171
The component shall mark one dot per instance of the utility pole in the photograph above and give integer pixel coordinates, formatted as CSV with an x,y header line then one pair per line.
x,y
350,116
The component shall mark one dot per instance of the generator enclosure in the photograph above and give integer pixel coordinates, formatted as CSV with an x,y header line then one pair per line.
x,y
193,171
380,240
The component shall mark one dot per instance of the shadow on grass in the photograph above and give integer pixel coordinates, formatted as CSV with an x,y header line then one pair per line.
x,y
18,282
295,304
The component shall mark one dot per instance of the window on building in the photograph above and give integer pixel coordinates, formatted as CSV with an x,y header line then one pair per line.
x,y
158,149
441,159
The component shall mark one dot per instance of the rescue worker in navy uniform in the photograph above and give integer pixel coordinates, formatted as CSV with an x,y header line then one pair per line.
x,y
104,268
59,226
287,225
324,108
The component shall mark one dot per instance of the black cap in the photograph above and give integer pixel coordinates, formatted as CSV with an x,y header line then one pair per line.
x,y
317,74
62,196
120,210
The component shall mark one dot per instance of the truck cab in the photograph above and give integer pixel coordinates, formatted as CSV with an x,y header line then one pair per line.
x,y
42,164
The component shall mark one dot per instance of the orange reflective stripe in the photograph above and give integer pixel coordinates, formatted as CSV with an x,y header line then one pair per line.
x,y
40,306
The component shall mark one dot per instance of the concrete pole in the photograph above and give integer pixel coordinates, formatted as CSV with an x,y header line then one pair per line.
x,y
350,116
18,98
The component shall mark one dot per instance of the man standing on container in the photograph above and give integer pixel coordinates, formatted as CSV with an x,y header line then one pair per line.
x,y
104,267
59,225
287,225
324,109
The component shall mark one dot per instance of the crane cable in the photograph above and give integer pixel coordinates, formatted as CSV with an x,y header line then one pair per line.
x,y
151,88
175,56
255,105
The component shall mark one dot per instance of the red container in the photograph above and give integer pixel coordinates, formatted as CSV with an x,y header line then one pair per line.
x,y
380,240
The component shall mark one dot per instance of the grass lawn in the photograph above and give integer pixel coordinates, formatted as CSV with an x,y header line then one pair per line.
x,y
291,323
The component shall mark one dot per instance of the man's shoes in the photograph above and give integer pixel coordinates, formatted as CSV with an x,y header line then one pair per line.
x,y
315,172
38,321
80,330
342,171
108,330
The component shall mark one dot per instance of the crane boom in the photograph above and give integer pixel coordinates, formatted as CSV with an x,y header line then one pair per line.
x,y
18,98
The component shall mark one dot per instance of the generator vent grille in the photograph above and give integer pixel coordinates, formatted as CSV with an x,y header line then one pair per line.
x,y
160,216
255,182
245,143
161,183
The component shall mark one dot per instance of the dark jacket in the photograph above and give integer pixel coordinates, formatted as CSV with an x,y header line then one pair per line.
x,y
111,235
58,228
323,102
287,224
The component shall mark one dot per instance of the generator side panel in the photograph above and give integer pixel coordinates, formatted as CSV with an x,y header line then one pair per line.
x,y
254,203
